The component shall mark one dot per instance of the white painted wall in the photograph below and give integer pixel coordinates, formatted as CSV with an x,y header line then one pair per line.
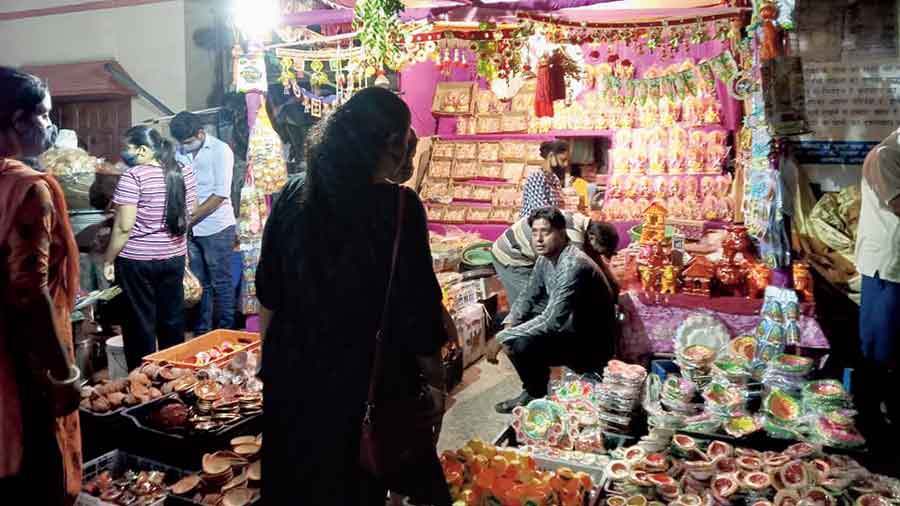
x,y
149,41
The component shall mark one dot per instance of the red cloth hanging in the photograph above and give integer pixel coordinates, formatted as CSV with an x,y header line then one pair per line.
x,y
557,77
543,98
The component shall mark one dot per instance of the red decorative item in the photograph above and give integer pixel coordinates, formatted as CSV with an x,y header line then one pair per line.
x,y
735,242
758,280
557,76
770,46
731,279
543,99
803,282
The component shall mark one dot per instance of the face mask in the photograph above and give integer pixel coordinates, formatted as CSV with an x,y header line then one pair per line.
x,y
35,140
130,159
191,147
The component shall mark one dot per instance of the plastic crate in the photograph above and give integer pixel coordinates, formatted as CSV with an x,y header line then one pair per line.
x,y
184,448
178,354
117,463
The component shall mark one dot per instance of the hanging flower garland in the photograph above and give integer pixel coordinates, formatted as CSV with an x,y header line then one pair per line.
x,y
377,22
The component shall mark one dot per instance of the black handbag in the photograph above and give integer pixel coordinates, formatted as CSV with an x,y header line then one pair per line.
x,y
396,433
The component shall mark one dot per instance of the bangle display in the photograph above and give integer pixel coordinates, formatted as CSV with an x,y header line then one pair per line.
x,y
74,375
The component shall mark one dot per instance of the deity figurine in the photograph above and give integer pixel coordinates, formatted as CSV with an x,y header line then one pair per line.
x,y
621,160
710,208
758,280
615,186
629,209
690,187
656,161
710,110
628,187
706,185
666,112
669,279
644,188
623,139
803,282
770,46
639,162
723,184
690,114
648,278
649,114
731,279
736,241
675,188
660,188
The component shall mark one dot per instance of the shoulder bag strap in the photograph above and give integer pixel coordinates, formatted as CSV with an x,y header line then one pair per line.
x,y
377,362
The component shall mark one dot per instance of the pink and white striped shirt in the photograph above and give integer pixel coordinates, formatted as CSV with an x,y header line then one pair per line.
x,y
144,186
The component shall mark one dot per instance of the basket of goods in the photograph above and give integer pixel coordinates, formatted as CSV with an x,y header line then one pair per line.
x,y
480,473
217,347
75,169
118,478
229,477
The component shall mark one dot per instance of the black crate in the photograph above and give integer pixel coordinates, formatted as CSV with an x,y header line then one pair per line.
x,y
117,463
183,448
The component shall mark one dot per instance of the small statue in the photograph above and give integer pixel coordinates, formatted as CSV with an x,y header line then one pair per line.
x,y
770,47
803,282
758,280
730,278
735,242
648,278
669,279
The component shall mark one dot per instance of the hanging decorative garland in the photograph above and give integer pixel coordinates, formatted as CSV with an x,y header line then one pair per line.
x,y
345,64
377,22
674,85
661,37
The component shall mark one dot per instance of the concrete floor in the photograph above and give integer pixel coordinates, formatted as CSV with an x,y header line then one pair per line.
x,y
471,413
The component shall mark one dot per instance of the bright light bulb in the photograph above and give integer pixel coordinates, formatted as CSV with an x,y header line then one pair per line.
x,y
255,18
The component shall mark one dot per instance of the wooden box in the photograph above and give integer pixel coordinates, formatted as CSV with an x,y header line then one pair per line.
x,y
466,150
454,99
181,355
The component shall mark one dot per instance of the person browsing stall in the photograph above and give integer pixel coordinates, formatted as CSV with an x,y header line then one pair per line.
x,y
40,439
576,326
213,224
543,188
148,242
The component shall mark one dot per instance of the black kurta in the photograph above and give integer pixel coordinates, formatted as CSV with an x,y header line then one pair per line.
x,y
318,351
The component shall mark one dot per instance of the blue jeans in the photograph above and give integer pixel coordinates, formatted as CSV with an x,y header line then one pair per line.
x,y
210,258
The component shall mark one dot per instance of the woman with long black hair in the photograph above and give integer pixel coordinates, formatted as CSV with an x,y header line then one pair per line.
x,y
40,439
322,279
148,243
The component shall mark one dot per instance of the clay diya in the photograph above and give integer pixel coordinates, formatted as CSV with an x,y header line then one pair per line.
x,y
794,475
186,484
724,486
718,449
618,470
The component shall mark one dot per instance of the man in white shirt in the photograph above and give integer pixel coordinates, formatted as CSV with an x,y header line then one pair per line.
x,y
878,261
213,223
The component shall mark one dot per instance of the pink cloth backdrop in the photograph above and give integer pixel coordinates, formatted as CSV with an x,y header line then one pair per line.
x,y
648,329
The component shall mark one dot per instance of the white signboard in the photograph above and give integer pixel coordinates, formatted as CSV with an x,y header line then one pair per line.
x,y
852,101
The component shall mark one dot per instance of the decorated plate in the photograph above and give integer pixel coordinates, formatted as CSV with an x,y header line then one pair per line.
x,y
740,426
541,420
782,407
743,347
793,363
704,330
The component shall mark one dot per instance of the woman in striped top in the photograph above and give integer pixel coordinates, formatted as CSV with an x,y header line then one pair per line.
x,y
154,199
